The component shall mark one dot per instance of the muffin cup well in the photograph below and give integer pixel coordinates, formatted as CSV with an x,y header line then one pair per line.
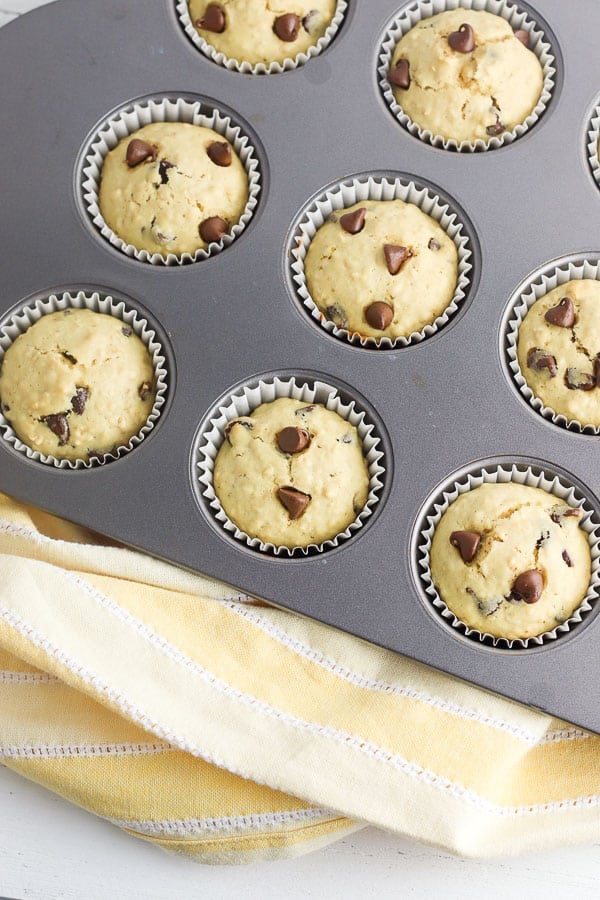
x,y
164,109
20,321
532,476
516,17
553,276
378,187
241,403
248,68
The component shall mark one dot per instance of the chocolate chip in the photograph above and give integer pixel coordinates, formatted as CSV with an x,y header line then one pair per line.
x,y
563,512
144,390
163,168
311,20
486,606
126,330
213,229
138,151
539,360
286,27
59,425
462,40
395,256
544,536
597,370
69,357
399,76
6,407
294,501
213,19
305,410
577,380
562,315
495,129
523,36
528,586
79,400
434,245
219,152
160,236
379,315
337,315
567,559
232,423
346,438
354,222
101,455
293,440
466,542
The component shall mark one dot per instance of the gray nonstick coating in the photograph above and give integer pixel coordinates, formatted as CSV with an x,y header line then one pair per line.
x,y
441,405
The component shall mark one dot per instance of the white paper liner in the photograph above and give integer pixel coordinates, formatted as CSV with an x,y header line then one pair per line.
x,y
242,403
526,475
20,321
593,136
517,18
247,68
165,109
374,187
538,286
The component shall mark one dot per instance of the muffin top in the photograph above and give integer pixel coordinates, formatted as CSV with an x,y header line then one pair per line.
x,y
256,31
77,384
559,350
510,560
381,268
465,75
172,187
291,473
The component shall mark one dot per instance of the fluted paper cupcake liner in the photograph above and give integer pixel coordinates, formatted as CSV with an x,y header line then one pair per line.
x,y
593,137
20,321
516,17
248,68
165,109
242,403
553,276
378,187
532,476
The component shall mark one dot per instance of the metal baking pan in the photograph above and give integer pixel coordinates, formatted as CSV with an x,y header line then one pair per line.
x,y
440,405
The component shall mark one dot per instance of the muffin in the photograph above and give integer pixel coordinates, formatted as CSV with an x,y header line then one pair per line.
x,y
558,350
510,560
172,187
465,75
381,268
77,384
291,474
257,32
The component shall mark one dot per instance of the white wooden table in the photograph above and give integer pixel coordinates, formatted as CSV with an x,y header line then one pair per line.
x,y
53,851
49,850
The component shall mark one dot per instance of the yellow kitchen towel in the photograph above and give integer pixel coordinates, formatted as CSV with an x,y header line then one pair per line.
x,y
224,729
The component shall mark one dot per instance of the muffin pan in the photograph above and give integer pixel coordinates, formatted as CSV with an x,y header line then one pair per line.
x,y
442,407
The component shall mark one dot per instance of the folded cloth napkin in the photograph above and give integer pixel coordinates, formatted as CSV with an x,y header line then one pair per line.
x,y
221,728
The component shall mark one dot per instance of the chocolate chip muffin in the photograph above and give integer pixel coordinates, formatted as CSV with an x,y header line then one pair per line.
x,y
465,75
172,187
559,350
77,384
381,268
291,474
256,31
510,560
